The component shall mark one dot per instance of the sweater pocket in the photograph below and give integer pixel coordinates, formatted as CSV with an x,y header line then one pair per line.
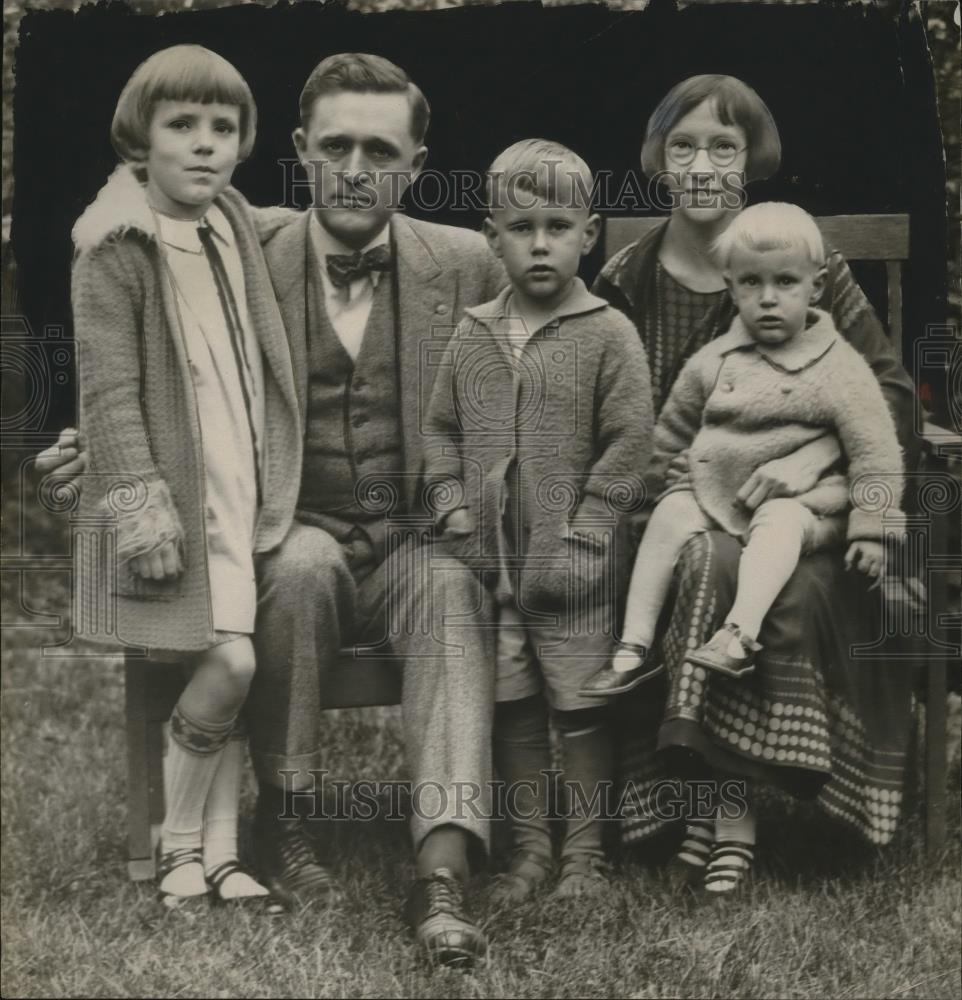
x,y
130,584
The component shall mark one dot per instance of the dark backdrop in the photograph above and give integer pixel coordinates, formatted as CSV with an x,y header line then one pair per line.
x,y
850,88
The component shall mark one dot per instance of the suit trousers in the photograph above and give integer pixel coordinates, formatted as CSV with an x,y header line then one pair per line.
x,y
317,596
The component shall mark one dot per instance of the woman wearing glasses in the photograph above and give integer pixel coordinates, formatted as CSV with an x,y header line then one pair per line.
x,y
810,719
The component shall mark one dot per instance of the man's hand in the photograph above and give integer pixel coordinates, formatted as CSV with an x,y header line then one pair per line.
x,y
164,563
68,457
458,522
868,557
790,475
678,468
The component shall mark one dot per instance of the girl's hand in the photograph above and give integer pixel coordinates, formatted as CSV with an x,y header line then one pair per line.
x,y
868,557
164,563
68,457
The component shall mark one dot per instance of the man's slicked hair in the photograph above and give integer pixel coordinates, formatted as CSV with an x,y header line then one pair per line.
x,y
362,73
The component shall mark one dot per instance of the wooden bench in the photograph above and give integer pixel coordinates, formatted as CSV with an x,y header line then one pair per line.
x,y
152,689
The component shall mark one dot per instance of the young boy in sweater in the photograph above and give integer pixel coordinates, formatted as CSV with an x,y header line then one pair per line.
x,y
781,377
544,416
188,393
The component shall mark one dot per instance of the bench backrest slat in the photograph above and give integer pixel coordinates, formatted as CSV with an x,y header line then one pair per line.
x,y
857,237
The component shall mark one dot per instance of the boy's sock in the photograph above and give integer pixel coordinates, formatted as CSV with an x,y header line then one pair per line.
x,y
220,819
588,767
522,755
193,756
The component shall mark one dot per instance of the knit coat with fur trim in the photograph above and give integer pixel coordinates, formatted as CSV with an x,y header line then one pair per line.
x,y
145,478
737,405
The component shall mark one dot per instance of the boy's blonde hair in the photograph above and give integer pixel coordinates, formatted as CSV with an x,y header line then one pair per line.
x,y
180,73
539,167
772,225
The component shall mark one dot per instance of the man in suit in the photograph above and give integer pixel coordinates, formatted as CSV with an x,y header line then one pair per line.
x,y
366,295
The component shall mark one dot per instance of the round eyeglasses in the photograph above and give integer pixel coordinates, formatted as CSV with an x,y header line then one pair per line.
x,y
721,151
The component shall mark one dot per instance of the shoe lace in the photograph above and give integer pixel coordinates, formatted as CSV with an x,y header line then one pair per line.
x,y
294,848
443,896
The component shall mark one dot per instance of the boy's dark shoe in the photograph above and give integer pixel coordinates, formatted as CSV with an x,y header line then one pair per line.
x,y
583,874
435,909
526,874
287,864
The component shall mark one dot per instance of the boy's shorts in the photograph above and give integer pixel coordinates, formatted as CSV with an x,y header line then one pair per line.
x,y
554,653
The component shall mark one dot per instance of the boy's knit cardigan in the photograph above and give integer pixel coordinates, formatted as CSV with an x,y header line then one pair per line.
x,y
737,405
145,480
573,416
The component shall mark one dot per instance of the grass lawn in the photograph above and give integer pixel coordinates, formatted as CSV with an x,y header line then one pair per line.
x,y
827,916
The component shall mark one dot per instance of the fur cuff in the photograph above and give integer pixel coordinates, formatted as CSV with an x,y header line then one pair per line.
x,y
876,525
146,520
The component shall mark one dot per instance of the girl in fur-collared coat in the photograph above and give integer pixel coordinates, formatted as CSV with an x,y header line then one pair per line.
x,y
781,377
188,396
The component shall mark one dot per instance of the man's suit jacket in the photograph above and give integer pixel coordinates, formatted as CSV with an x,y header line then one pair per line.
x,y
440,271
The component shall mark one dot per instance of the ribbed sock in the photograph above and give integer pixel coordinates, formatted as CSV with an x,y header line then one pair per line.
x,y
588,767
221,815
522,755
193,756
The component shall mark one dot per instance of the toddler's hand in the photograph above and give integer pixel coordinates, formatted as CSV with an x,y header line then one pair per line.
x,y
164,563
788,476
868,557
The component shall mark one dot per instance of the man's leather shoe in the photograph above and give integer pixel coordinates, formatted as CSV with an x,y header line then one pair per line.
x,y
607,681
288,866
435,909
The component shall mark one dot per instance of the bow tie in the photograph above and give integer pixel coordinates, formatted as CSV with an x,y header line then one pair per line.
x,y
343,268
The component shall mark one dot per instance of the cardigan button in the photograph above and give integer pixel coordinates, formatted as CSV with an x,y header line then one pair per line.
x,y
786,389
727,386
440,308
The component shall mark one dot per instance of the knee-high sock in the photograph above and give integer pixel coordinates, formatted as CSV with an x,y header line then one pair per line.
x,y
193,756
767,563
588,767
522,755
222,807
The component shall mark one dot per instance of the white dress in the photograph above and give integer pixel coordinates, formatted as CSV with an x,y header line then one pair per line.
x,y
229,463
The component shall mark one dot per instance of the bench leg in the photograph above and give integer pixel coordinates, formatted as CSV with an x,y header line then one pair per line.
x,y
155,781
140,862
935,752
